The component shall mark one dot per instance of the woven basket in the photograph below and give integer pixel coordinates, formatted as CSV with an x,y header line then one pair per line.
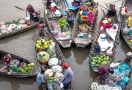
x,y
84,30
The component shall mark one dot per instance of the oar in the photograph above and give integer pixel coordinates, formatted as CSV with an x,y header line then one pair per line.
x,y
22,9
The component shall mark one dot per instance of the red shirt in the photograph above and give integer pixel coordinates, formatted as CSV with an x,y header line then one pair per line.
x,y
10,59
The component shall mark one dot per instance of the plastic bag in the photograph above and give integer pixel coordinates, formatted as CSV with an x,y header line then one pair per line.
x,y
126,79
53,62
58,76
94,86
57,68
126,30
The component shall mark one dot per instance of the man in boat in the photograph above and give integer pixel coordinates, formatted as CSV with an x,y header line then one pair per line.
x,y
129,20
103,71
97,47
7,60
68,76
31,12
40,77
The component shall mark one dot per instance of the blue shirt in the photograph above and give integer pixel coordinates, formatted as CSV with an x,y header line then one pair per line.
x,y
68,75
40,78
97,48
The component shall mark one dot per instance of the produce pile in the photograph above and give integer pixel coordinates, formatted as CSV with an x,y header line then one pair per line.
x,y
50,79
43,44
45,49
26,68
62,35
100,59
13,26
43,56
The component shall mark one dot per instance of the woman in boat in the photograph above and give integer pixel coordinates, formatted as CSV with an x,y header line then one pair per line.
x,y
97,47
68,76
76,2
49,4
63,22
129,20
40,77
7,60
70,16
91,16
31,11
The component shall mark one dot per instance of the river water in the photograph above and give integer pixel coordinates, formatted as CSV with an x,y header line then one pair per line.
x,y
23,45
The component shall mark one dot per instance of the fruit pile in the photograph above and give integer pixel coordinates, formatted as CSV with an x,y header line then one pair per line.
x,y
43,56
98,60
26,68
50,79
130,42
51,51
43,44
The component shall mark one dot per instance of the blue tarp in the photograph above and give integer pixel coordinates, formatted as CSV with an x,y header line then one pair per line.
x,y
70,6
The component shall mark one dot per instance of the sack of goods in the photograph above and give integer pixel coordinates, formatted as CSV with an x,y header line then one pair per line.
x,y
109,53
57,68
53,62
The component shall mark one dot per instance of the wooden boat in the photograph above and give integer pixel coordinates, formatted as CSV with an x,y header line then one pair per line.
x,y
126,37
109,44
53,24
21,61
47,36
66,10
81,33
55,12
97,80
15,31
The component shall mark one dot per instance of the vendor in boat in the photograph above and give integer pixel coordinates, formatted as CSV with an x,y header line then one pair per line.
x,y
70,16
103,70
63,22
40,77
68,76
31,11
129,20
49,4
97,47
91,15
7,60
76,2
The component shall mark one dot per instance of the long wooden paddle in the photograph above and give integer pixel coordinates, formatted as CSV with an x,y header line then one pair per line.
x,y
23,10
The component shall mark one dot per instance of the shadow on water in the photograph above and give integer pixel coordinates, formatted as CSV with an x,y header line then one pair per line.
x,y
78,60
19,83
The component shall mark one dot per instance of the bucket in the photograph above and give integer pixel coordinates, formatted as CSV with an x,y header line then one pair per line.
x,y
103,37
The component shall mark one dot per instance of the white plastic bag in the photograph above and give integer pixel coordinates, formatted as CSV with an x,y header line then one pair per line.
x,y
57,68
126,30
61,85
53,61
94,86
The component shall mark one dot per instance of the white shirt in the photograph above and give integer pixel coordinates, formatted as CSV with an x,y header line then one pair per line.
x,y
40,78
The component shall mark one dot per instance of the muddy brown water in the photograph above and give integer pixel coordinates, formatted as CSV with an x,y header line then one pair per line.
x,y
23,45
